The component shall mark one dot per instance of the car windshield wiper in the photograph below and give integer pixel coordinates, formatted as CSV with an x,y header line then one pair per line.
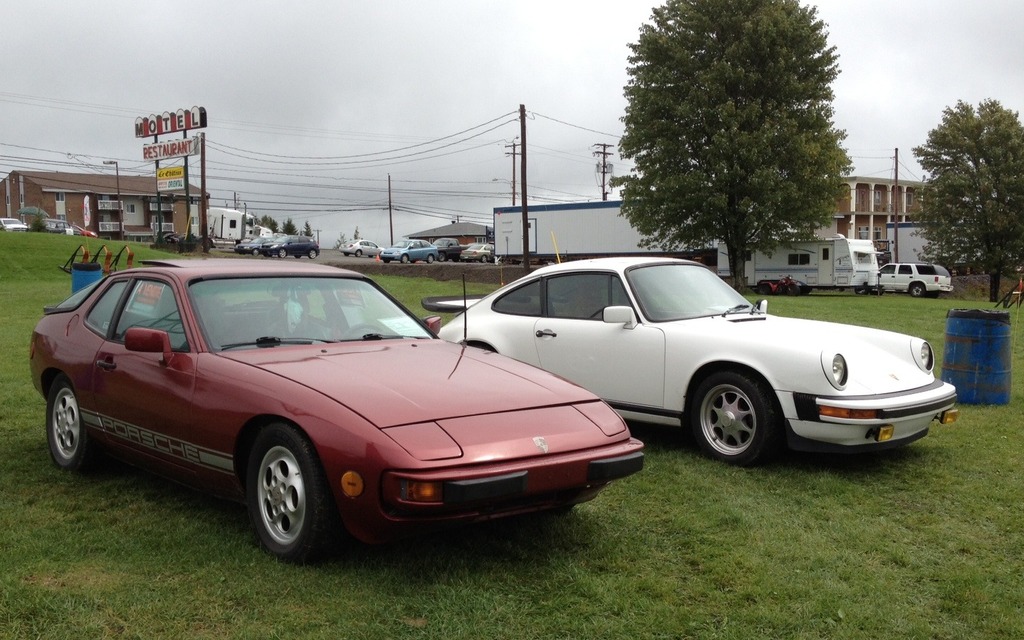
x,y
380,336
271,341
736,309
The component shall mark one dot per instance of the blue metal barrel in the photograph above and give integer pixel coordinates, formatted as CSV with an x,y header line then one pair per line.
x,y
84,273
977,356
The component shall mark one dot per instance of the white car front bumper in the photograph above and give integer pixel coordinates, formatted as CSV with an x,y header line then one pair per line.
x,y
856,423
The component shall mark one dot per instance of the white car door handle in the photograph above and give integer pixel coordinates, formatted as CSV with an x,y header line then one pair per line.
x,y
546,333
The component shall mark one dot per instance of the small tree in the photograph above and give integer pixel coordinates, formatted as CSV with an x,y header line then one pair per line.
x,y
341,241
268,222
307,230
973,204
289,228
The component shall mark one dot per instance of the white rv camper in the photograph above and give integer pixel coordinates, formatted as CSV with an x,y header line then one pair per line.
x,y
829,263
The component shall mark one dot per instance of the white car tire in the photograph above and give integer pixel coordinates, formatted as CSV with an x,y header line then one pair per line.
x,y
734,419
70,445
290,505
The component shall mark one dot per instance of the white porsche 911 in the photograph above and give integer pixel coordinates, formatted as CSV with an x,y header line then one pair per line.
x,y
667,341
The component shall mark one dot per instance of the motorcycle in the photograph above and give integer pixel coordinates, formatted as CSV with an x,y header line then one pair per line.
x,y
785,285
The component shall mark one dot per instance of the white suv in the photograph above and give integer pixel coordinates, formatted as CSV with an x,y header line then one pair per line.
x,y
917,279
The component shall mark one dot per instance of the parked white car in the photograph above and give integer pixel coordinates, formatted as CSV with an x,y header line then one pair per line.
x,y
667,341
917,279
12,224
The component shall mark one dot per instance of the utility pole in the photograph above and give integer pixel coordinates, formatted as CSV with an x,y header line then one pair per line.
x,y
203,203
526,219
391,220
513,154
187,236
896,209
603,168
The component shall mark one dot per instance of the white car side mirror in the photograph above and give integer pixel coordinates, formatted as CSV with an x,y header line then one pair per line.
x,y
620,315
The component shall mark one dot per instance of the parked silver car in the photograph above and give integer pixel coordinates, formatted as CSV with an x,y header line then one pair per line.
x,y
360,248
479,252
12,224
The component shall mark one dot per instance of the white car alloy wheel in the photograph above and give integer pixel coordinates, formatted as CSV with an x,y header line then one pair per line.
x,y
733,419
282,495
70,446
289,503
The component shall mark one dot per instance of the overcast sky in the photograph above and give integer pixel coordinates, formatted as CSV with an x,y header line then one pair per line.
x,y
312,105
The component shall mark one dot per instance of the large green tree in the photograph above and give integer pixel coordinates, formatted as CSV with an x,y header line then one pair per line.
x,y
973,202
729,124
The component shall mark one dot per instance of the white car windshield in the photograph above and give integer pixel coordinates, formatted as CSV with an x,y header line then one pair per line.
x,y
247,313
676,291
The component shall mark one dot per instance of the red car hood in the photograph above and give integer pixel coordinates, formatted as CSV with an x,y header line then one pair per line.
x,y
394,382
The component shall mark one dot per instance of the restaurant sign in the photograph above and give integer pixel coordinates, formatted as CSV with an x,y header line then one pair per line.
x,y
170,149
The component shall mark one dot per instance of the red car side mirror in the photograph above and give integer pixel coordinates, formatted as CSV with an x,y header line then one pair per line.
x,y
433,323
148,341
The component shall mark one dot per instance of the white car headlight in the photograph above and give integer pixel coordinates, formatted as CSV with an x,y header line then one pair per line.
x,y
923,354
834,367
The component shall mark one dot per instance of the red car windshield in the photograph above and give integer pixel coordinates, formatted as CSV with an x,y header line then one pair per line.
x,y
245,313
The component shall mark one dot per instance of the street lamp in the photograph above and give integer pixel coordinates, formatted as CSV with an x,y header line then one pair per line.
x,y
120,215
511,184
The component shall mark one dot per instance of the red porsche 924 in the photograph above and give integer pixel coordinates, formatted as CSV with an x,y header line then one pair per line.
x,y
314,397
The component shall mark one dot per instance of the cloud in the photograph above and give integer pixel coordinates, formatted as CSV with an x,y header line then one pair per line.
x,y
305,99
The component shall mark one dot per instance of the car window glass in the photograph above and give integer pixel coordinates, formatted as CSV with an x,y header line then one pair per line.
x,y
151,305
619,296
888,269
581,296
75,298
905,269
102,313
926,270
522,301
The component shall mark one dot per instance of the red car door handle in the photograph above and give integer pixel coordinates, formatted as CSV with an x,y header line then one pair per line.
x,y
106,364
546,333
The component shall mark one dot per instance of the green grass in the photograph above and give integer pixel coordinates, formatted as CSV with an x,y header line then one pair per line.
x,y
921,542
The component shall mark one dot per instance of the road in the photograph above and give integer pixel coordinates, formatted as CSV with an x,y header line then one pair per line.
x,y
474,271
